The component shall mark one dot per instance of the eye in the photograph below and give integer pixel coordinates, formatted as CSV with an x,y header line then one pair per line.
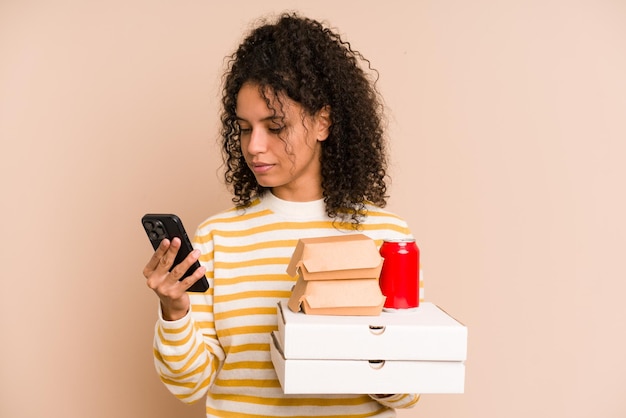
x,y
244,129
277,130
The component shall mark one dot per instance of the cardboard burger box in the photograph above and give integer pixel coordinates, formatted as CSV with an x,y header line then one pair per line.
x,y
337,275
418,351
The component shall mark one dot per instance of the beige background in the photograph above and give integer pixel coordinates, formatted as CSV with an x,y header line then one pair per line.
x,y
508,137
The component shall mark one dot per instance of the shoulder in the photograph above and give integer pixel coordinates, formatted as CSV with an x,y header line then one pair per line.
x,y
383,224
377,214
233,218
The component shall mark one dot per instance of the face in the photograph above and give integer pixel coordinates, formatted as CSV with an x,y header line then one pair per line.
x,y
281,144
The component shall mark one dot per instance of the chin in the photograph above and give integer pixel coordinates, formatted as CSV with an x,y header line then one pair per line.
x,y
266,184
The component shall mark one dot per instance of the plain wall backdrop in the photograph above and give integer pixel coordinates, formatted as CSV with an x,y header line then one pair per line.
x,y
507,122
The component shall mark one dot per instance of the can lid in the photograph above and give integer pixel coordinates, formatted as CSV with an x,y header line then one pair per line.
x,y
400,240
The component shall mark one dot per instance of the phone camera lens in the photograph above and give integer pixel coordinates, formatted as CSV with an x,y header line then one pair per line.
x,y
159,231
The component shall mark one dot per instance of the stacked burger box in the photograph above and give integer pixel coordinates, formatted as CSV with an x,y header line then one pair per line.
x,y
334,338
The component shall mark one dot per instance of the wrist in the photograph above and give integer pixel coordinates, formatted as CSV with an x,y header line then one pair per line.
x,y
169,314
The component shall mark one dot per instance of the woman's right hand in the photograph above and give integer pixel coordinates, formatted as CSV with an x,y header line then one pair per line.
x,y
171,292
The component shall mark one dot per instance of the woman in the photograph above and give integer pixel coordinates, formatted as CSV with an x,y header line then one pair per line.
x,y
304,153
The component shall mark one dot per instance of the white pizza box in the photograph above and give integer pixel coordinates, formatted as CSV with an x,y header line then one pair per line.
x,y
307,376
426,333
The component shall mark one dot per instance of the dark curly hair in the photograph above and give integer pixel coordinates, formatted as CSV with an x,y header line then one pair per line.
x,y
313,66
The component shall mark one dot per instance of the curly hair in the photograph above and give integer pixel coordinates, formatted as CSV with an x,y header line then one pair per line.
x,y
314,67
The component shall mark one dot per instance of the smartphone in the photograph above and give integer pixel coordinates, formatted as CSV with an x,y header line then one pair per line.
x,y
166,225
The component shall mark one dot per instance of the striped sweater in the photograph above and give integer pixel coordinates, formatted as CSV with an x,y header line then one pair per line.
x,y
220,349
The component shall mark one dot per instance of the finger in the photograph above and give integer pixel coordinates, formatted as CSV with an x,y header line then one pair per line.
x,y
197,275
167,260
156,257
178,271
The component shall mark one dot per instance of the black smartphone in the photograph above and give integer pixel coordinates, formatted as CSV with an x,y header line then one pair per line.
x,y
159,226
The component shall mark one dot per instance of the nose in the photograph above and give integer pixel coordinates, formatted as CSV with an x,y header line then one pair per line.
x,y
257,142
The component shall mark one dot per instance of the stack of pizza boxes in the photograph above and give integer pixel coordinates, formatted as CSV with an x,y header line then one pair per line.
x,y
334,337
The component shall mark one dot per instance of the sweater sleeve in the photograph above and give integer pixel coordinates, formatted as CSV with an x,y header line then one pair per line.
x,y
399,401
187,352
185,358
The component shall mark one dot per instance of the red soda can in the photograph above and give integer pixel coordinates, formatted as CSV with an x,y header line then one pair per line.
x,y
399,277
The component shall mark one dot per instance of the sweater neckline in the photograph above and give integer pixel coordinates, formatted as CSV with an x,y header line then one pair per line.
x,y
294,210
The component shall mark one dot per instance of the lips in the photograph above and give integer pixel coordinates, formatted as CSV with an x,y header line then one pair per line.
x,y
261,167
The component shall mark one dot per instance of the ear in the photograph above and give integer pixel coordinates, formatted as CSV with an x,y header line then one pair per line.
x,y
323,122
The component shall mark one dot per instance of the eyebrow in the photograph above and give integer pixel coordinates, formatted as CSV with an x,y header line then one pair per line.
x,y
270,118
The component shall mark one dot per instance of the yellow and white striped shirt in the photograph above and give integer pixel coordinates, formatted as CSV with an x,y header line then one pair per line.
x,y
221,348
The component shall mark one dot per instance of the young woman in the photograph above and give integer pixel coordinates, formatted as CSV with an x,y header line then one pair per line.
x,y
304,152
